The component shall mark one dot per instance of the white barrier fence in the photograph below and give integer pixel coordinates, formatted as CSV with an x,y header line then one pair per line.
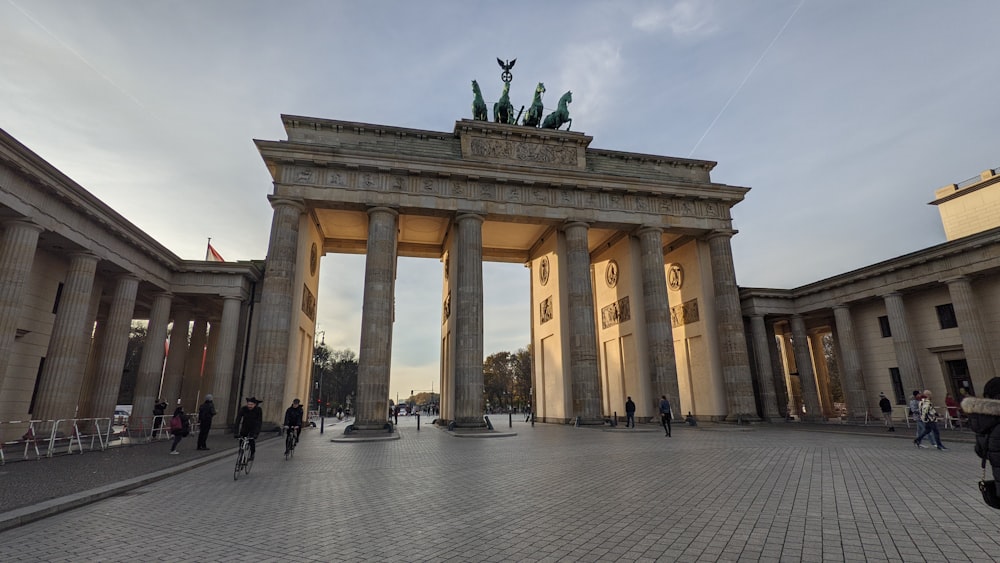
x,y
45,438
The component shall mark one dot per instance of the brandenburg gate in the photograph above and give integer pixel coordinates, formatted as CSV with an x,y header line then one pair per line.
x,y
633,291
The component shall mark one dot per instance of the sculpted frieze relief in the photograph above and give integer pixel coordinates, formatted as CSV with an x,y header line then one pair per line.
x,y
488,191
502,149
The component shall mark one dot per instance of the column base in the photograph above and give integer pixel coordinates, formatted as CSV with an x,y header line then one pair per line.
x,y
742,418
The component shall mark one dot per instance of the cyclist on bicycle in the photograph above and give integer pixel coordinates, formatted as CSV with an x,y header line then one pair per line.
x,y
248,422
293,418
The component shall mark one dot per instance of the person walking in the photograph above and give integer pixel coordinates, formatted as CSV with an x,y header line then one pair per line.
x,y
205,414
249,419
984,419
180,427
929,416
665,414
886,407
629,412
914,407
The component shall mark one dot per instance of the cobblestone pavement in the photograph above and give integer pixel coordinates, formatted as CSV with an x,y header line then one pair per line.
x,y
782,492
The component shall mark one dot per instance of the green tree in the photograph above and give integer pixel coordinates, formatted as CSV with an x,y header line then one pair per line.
x,y
335,376
507,379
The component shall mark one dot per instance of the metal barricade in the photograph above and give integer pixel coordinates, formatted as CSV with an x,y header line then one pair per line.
x,y
27,436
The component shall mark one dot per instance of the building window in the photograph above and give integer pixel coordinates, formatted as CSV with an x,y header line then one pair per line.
x,y
883,323
946,316
897,386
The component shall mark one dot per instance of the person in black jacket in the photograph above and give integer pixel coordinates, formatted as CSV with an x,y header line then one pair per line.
x,y
248,422
293,418
886,407
205,414
629,412
984,419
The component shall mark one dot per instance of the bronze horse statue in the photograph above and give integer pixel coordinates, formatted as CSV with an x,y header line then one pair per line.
x,y
503,110
534,115
478,104
556,119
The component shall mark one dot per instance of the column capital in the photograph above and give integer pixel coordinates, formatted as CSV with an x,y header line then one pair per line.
x,y
956,279
23,223
841,306
381,209
643,229
574,224
279,201
892,294
728,233
83,255
465,216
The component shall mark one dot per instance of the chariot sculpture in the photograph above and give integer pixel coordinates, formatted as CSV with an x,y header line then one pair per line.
x,y
503,109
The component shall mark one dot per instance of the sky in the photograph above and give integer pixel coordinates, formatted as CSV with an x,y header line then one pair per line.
x,y
842,117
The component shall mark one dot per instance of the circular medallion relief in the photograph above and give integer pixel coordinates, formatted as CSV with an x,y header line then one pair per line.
x,y
675,277
313,259
611,274
543,271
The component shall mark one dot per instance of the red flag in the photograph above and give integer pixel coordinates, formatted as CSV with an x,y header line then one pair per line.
x,y
213,256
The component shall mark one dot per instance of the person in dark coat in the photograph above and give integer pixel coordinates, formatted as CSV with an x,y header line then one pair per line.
x,y
249,419
629,412
293,418
159,409
984,419
180,427
886,407
205,414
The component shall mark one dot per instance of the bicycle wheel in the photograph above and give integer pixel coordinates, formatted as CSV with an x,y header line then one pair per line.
x,y
249,461
240,457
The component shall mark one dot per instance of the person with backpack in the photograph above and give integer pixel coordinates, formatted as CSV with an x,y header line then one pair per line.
x,y
929,416
180,427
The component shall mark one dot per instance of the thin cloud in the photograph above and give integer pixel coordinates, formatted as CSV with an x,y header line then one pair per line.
x,y
683,19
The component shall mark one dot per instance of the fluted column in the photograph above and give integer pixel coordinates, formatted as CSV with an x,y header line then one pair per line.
x,y
173,372
902,342
112,358
208,368
468,311
776,347
277,297
191,382
583,370
225,356
851,376
803,362
768,397
970,327
374,358
147,382
63,372
660,336
17,253
732,340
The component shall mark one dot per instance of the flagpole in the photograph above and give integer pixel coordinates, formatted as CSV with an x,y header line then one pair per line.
x,y
208,246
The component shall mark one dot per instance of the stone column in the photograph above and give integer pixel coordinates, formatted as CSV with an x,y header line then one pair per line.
x,y
781,391
17,253
225,357
851,376
374,358
768,398
583,369
970,327
112,358
906,353
732,340
275,320
173,372
147,383
193,363
660,336
468,310
62,377
803,363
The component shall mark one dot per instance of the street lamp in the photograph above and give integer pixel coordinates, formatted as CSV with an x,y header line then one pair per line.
x,y
319,391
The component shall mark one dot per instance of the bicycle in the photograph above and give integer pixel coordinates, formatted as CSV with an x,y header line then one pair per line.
x,y
243,460
290,440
